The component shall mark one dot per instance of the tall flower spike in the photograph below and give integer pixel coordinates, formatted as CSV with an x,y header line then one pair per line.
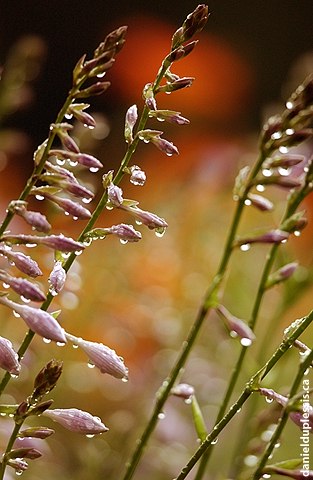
x,y
9,360
37,320
76,420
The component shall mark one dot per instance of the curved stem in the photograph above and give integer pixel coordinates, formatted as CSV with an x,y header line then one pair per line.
x,y
10,444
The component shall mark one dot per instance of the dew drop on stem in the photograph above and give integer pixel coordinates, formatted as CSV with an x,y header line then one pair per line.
x,y
245,247
86,200
39,197
159,232
161,416
214,442
246,342
90,435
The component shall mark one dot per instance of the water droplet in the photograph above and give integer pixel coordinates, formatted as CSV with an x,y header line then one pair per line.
x,y
75,218
307,371
161,416
251,460
5,285
53,292
267,172
90,435
248,202
109,207
277,445
68,116
283,149
266,475
159,232
2,414
60,344
39,197
17,315
289,105
19,472
65,255
297,233
93,169
245,247
276,136
125,379
66,213
101,75
260,188
290,131
24,299
90,365
75,345
246,342
168,93
268,400
214,442
123,241
284,172
86,200
30,245
13,375
60,161
188,401
73,163
233,334
169,154
78,252
146,140
87,242
46,340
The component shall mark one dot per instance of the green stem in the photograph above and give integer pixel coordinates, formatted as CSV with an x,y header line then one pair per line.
x,y
10,444
283,419
248,390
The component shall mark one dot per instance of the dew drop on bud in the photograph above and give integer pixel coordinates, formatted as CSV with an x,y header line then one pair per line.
x,y
283,149
159,232
214,442
46,340
260,188
245,247
39,197
93,169
78,252
246,342
247,202
60,344
169,154
297,233
17,315
86,200
268,400
90,435
6,285
73,163
87,242
90,365
125,379
123,241
24,299
60,161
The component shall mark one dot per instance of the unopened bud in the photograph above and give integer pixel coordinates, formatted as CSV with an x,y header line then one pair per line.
x,y
76,420
23,262
183,82
170,116
95,89
259,202
77,110
26,452
148,96
23,287
273,236
36,432
137,176
61,129
57,242
295,223
124,232
37,220
130,121
82,158
70,207
183,390
180,52
236,326
115,195
57,277
151,220
46,379
37,320
9,360
282,274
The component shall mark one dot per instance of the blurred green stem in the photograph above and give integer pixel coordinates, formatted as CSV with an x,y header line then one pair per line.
x,y
250,387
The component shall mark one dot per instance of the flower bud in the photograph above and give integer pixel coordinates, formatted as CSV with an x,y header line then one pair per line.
x,y
236,326
124,232
61,130
23,287
148,96
130,121
23,262
96,89
9,360
57,242
183,390
46,379
259,202
82,158
36,432
70,207
282,274
63,178
295,222
76,109
180,52
183,82
76,420
170,116
273,236
269,470
57,278
284,160
19,465
149,219
37,320
280,181
193,24
115,195
37,220
26,452
165,146
103,357
137,176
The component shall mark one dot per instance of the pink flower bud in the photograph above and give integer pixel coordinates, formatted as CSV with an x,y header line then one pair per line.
x,y
26,452
130,121
19,465
236,326
57,242
183,390
125,232
9,360
82,158
70,207
282,274
61,130
57,278
149,219
148,95
63,178
103,357
259,202
76,109
96,89
23,262
137,176
36,432
295,474
165,146
37,220
273,236
76,420
37,320
183,82
23,287
181,52
170,116
115,195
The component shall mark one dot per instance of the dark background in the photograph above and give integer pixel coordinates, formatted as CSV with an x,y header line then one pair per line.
x,y
270,34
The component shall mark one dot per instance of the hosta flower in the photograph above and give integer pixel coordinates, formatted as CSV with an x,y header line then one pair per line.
x,y
103,357
9,360
57,277
57,242
76,420
82,158
273,236
70,207
37,320
236,326
36,219
183,390
125,232
23,287
151,220
115,195
137,176
23,262
282,274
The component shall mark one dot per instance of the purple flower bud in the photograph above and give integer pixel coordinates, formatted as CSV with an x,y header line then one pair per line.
x,y
149,219
126,233
57,278
26,452
115,195
137,176
103,357
82,158
37,320
37,220
284,160
96,89
170,116
148,95
259,202
236,326
295,222
195,21
76,420
61,130
23,287
9,360
183,82
130,121
36,432
23,262
183,390
19,465
70,207
76,109
180,52
282,274
165,146
280,181
57,242
273,236
63,178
